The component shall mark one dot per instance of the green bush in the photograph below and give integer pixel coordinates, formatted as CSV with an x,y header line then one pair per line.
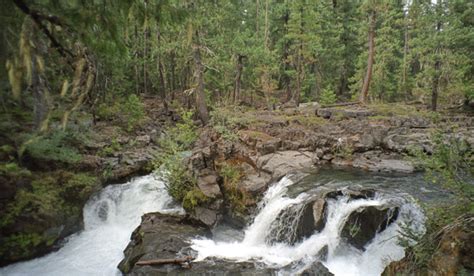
x,y
237,198
451,166
129,113
194,198
182,136
110,149
328,96
224,124
178,180
57,145
169,161
134,112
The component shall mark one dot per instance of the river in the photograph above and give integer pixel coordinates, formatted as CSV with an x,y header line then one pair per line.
x,y
111,216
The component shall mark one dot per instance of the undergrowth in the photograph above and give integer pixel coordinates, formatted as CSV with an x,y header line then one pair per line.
x,y
181,185
450,165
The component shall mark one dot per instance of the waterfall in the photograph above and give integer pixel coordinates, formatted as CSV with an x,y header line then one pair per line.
x,y
341,258
109,219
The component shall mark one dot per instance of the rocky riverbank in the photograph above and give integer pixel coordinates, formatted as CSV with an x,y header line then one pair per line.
x,y
263,146
41,201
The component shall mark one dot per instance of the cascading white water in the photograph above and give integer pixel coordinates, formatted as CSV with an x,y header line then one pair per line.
x,y
109,219
342,259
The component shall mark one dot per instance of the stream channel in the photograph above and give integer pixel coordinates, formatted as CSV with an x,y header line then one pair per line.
x,y
276,237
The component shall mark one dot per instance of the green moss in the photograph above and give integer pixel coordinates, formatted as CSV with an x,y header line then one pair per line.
x,y
20,245
43,200
81,186
306,120
50,195
12,170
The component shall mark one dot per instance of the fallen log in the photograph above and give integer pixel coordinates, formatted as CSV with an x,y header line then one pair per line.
x,y
181,261
340,104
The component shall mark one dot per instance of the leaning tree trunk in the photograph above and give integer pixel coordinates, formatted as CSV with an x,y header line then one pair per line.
x,y
200,97
370,61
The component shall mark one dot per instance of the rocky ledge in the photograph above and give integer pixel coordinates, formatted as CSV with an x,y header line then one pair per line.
x,y
268,145
165,236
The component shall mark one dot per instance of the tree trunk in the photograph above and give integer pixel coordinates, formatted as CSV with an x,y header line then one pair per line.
x,y
299,64
200,96
238,78
437,63
160,68
406,91
137,56
434,90
145,51
370,61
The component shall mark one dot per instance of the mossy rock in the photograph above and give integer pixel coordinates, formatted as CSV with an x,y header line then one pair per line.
x,y
42,213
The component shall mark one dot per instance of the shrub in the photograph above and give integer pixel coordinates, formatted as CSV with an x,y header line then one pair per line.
x,y
169,161
134,112
178,180
224,124
110,149
237,198
450,165
57,146
194,198
328,96
128,113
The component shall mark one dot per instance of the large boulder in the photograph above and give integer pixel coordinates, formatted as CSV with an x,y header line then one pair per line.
x,y
280,163
363,224
160,236
208,183
381,162
298,222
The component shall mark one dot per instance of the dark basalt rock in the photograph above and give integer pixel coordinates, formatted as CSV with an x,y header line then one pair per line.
x,y
363,224
160,236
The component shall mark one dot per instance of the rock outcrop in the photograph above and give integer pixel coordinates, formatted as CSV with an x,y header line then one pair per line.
x,y
160,236
299,222
453,255
363,224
